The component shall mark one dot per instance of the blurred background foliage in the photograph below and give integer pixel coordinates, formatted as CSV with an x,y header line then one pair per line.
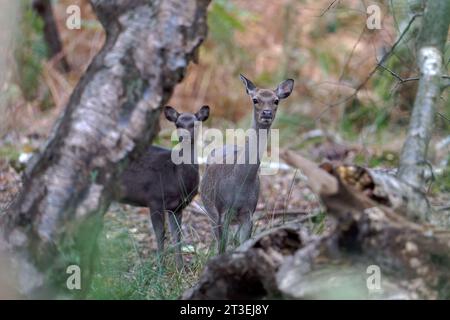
x,y
30,52
328,53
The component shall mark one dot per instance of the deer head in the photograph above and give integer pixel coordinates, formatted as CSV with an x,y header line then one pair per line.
x,y
185,122
265,101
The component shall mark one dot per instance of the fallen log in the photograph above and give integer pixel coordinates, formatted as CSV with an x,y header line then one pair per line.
x,y
370,251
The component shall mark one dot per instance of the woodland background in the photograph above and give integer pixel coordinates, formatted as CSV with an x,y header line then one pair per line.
x,y
329,53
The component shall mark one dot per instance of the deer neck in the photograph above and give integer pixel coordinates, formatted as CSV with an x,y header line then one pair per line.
x,y
255,145
192,155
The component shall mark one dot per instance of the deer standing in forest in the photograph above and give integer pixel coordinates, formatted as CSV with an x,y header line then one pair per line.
x,y
230,191
156,182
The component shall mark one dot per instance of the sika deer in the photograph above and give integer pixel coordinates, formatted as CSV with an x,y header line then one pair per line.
x,y
230,191
156,182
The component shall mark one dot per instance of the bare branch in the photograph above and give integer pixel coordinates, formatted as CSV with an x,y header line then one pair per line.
x,y
328,8
374,70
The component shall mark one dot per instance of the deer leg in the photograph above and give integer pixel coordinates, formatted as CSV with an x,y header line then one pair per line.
x,y
175,219
157,217
225,229
216,224
246,226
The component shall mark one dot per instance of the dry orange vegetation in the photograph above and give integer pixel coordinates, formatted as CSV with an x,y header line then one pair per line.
x,y
328,55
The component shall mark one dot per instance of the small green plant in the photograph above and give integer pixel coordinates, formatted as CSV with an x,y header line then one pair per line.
x,y
94,175
318,222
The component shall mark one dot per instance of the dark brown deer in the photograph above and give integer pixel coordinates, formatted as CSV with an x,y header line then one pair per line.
x,y
230,191
156,182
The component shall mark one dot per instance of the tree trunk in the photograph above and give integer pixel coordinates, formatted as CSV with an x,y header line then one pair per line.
x,y
112,114
414,168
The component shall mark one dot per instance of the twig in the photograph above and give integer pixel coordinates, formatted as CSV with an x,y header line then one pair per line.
x,y
328,8
442,116
263,214
402,80
374,70
397,76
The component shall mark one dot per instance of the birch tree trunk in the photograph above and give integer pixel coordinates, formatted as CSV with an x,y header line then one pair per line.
x,y
413,167
112,114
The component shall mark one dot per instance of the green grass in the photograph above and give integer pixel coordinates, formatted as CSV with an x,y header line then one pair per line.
x,y
9,152
318,223
123,274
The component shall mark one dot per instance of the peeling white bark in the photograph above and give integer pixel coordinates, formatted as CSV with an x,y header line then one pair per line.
x,y
414,168
112,113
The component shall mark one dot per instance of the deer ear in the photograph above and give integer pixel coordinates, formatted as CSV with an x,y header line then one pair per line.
x,y
284,89
171,114
249,86
202,114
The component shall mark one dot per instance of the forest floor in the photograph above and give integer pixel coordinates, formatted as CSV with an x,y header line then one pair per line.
x,y
128,267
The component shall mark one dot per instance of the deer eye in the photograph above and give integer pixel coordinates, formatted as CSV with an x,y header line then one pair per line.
x,y
255,101
276,102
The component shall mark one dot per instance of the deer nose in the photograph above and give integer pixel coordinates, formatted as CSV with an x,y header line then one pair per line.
x,y
267,113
